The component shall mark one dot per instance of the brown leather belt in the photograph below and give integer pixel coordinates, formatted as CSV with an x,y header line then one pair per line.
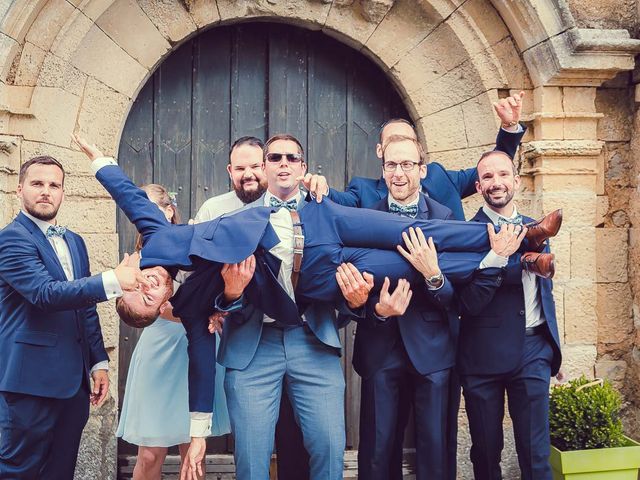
x,y
298,248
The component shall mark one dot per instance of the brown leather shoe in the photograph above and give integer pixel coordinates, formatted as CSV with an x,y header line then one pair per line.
x,y
543,229
541,264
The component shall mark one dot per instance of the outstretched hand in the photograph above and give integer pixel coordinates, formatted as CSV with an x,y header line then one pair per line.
x,y
509,109
396,303
90,151
316,185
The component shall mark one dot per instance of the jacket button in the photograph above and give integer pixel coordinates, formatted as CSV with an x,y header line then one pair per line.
x,y
521,312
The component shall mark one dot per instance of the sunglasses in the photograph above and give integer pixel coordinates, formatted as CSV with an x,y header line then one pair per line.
x,y
291,157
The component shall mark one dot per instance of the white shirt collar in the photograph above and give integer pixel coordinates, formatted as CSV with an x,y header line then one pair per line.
x,y
268,195
41,224
494,217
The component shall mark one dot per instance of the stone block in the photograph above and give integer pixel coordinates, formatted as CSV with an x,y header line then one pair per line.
x,y
602,207
513,69
443,131
580,128
9,48
93,9
308,14
555,182
73,161
583,253
578,208
480,122
548,99
10,154
558,296
459,159
612,254
54,116
10,208
578,360
579,99
59,73
102,114
562,248
407,24
98,54
548,128
615,318
97,457
71,36
88,216
109,323
84,186
617,106
128,25
203,12
103,250
49,22
612,370
580,324
618,166
486,19
605,14
348,24
415,69
31,60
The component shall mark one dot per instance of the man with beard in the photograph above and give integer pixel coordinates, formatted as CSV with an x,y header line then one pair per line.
x,y
508,340
248,179
50,338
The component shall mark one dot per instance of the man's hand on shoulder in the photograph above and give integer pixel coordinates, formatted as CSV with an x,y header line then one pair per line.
x,y
90,150
316,185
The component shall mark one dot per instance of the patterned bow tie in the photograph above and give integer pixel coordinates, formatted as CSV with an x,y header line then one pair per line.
x,y
404,210
289,204
517,220
56,231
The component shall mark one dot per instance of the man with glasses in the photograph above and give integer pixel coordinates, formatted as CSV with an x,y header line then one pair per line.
x,y
404,347
261,353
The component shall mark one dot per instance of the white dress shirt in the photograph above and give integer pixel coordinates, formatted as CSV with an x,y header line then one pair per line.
x,y
60,247
532,308
218,205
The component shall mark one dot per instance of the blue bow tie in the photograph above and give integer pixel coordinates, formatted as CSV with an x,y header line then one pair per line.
x,y
289,204
517,220
404,210
56,231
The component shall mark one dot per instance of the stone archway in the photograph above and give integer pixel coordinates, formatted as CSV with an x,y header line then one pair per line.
x,y
77,65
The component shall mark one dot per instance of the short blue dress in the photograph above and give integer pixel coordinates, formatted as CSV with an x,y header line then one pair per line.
x,y
155,409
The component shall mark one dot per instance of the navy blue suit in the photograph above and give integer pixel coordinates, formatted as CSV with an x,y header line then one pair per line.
x,y
49,339
333,234
447,187
405,361
494,357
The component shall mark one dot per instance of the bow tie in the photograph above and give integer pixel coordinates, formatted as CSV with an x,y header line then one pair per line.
x,y
56,231
517,220
289,204
404,210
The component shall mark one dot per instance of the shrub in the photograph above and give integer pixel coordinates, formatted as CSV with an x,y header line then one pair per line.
x,y
585,418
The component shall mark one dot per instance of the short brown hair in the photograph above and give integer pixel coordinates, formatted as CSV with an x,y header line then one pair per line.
x,y
283,136
404,138
498,152
163,198
41,160
393,120
134,319
246,140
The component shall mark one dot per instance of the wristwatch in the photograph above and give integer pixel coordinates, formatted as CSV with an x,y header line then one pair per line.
x,y
509,124
435,280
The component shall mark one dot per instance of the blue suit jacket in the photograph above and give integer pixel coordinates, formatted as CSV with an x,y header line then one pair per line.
x,y
492,329
427,329
447,187
243,327
49,330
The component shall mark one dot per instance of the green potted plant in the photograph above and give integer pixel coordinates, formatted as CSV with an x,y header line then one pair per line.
x,y
587,441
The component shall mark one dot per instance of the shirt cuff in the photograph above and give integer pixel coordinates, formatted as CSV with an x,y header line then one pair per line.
x,y
231,307
111,285
493,260
517,130
103,365
100,162
200,424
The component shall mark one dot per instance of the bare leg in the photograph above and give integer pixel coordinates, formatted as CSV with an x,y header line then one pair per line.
x,y
149,463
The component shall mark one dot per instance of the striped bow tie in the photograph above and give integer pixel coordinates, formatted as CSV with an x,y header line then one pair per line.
x,y
289,204
404,210
56,231
517,220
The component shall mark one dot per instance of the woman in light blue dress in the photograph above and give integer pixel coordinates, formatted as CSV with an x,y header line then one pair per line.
x,y
155,409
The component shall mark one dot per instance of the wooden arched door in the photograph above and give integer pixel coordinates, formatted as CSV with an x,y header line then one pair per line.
x,y
254,79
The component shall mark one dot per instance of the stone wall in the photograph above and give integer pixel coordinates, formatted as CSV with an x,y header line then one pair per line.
x,y
76,66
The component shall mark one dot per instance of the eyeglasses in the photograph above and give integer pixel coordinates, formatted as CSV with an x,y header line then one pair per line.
x,y
277,157
406,166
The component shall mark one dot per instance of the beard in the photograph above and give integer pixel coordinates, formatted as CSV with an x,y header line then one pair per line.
x,y
498,203
249,196
39,213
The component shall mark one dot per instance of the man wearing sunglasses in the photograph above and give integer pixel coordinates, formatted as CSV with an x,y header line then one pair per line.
x,y
262,355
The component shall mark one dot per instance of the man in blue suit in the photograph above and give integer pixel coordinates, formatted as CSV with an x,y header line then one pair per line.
x,y
405,344
446,187
50,338
508,340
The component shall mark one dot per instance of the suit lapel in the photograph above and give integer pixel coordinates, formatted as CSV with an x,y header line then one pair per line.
x,y
381,189
423,208
49,256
